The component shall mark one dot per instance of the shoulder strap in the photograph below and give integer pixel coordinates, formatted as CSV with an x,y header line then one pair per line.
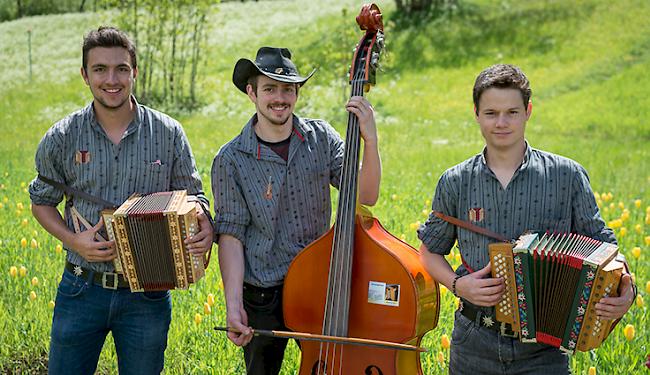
x,y
72,192
469,226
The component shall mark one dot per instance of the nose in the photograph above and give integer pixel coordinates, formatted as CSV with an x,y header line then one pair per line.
x,y
112,76
502,120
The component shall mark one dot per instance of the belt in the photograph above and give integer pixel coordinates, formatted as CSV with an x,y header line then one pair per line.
x,y
262,290
475,314
107,280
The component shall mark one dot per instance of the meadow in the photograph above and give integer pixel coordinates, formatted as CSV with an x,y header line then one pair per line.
x,y
588,63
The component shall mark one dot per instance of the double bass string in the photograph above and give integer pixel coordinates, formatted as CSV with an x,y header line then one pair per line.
x,y
336,314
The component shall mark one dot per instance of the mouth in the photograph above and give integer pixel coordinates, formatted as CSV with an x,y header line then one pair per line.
x,y
278,107
112,91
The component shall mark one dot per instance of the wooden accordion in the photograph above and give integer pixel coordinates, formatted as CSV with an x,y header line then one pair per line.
x,y
149,233
552,283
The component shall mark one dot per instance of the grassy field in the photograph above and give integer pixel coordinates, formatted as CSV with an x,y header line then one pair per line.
x,y
588,63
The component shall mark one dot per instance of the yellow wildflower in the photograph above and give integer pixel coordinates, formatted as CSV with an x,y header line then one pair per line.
x,y
647,219
22,271
20,206
34,243
23,242
637,203
647,286
393,197
5,200
13,271
427,203
616,223
596,195
443,290
210,299
457,257
623,232
628,331
636,251
402,237
207,309
592,370
606,210
32,295
197,318
610,196
647,240
625,215
621,205
2,205
415,225
441,358
612,206
58,249
24,222
425,212
639,301
444,341
638,228
34,281
603,196
51,305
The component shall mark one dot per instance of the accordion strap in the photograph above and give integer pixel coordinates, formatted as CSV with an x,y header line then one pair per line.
x,y
72,192
469,226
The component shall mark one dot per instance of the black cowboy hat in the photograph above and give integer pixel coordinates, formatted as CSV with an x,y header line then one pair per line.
x,y
274,63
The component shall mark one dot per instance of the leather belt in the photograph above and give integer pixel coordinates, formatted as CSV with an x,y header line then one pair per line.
x,y
475,314
107,280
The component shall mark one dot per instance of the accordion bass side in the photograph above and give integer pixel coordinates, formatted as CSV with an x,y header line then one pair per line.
x,y
149,233
552,284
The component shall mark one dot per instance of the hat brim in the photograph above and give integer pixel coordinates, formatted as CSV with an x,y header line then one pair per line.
x,y
245,68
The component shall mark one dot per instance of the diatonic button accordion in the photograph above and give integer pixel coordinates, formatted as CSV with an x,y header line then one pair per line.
x,y
552,284
149,233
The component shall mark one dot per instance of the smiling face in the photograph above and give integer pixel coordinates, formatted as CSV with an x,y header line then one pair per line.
x,y
274,101
110,75
502,117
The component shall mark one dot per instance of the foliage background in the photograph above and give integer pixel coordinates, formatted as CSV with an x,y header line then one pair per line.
x,y
587,61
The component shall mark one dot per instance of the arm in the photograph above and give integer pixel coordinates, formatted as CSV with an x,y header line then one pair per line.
x,y
370,174
83,243
477,288
231,264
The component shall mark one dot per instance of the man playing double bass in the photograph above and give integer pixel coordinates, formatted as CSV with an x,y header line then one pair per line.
x,y
271,185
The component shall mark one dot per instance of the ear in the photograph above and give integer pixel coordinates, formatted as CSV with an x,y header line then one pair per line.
x,y
84,75
251,93
475,113
135,73
529,109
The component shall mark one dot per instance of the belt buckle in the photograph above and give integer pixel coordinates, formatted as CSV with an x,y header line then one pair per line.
x,y
507,332
115,281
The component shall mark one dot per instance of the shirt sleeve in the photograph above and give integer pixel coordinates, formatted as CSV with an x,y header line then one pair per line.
x,y
48,164
585,215
337,149
231,212
184,174
436,234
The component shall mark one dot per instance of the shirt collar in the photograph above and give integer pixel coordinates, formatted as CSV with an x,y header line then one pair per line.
x,y
135,123
248,140
524,163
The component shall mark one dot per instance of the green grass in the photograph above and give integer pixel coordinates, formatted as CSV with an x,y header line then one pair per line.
x,y
587,62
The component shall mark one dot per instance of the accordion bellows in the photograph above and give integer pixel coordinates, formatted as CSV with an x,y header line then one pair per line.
x,y
149,233
553,282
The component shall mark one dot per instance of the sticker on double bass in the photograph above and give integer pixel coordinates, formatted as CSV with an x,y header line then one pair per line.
x,y
383,294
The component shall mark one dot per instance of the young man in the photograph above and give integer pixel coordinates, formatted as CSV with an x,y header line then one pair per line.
x,y
272,188
110,149
508,188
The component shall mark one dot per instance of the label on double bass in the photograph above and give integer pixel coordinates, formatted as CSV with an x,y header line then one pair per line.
x,y
383,294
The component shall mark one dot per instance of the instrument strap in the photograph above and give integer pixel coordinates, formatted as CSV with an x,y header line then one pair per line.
x,y
469,226
72,192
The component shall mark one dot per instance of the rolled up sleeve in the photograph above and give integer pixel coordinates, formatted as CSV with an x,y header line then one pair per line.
x,y
436,234
231,212
48,164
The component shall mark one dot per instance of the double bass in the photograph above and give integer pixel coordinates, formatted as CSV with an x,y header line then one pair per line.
x,y
358,280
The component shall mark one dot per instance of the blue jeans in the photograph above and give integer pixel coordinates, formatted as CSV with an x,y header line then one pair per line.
x,y
84,314
479,350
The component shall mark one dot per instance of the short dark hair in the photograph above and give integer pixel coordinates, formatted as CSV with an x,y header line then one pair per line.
x,y
503,76
108,36
252,80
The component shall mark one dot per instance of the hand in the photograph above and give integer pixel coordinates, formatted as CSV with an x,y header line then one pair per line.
x,y
201,242
615,307
480,289
238,320
84,244
366,115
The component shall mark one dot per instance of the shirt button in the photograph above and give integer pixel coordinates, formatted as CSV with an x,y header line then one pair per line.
x,y
114,187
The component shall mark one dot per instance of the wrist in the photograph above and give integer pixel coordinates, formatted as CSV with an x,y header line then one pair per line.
x,y
454,290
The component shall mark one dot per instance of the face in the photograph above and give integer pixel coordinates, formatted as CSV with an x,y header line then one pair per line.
x,y
273,100
110,76
502,117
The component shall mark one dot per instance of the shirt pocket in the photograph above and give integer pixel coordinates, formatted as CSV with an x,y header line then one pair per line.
x,y
152,177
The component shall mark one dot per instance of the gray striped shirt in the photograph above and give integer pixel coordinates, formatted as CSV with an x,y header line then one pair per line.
x,y
153,155
547,192
276,208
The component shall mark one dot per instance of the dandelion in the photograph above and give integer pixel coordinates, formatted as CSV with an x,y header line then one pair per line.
x,y
24,222
51,305
592,370
610,196
647,240
443,291
425,212
637,203
621,205
197,318
393,197
647,219
441,358
34,281
22,271
34,243
623,232
605,210
628,331
603,196
639,301
647,286
20,206
2,205
23,242
58,249
638,228
616,223
402,237
207,309
32,295
427,203
210,299
612,206
444,341
5,200
415,225
596,195
457,257
13,271
636,251
625,215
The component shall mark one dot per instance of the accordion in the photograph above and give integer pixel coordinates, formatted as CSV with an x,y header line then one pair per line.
x,y
552,284
149,233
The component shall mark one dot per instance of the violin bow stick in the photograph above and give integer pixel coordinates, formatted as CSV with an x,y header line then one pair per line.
x,y
332,339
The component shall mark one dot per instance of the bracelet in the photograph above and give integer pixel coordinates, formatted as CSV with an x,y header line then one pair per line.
x,y
453,285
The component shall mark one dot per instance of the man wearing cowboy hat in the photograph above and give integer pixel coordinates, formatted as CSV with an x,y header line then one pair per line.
x,y
271,185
